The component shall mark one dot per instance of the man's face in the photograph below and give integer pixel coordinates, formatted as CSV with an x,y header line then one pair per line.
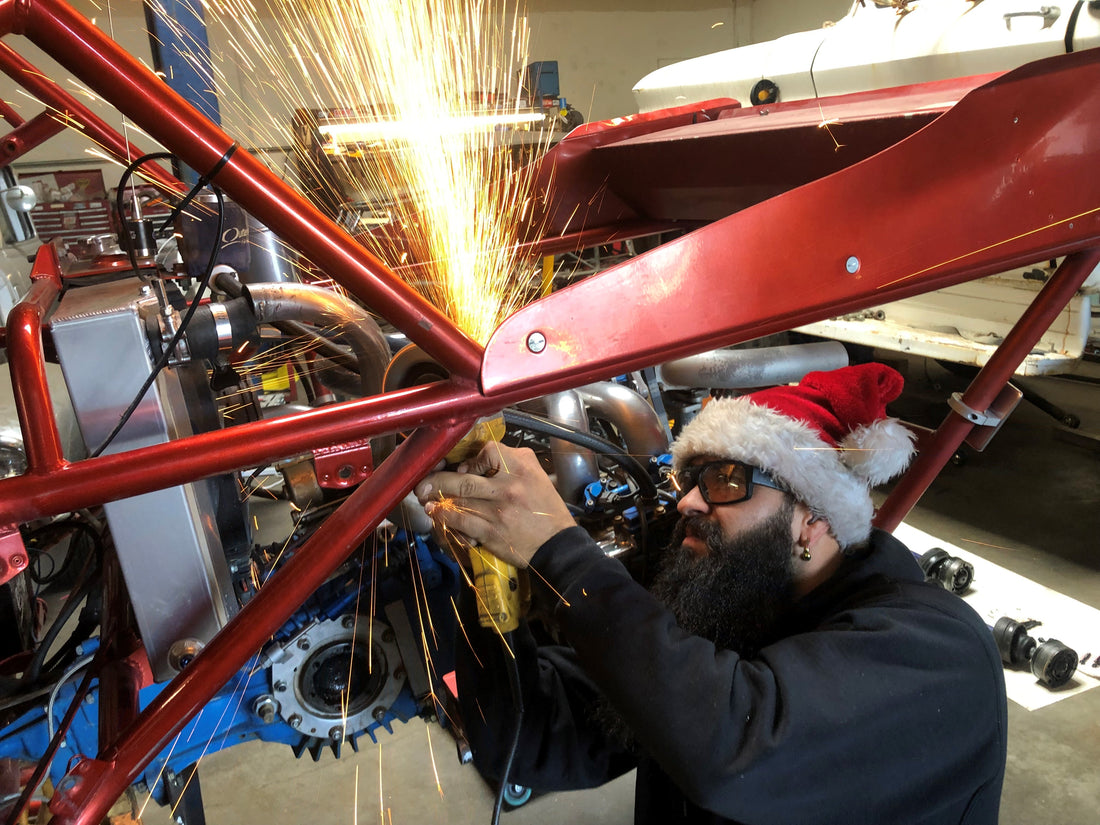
x,y
728,573
732,519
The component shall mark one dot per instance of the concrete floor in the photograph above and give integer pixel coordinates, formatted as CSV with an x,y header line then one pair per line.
x,y
1032,493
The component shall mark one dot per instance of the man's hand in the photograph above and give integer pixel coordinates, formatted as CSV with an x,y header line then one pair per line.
x,y
502,500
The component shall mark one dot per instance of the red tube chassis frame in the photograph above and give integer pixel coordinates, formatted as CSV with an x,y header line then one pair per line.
x,y
994,179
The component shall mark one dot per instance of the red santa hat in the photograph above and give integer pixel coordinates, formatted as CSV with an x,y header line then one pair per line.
x,y
827,440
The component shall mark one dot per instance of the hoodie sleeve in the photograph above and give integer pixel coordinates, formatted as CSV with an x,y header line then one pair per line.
x,y
560,747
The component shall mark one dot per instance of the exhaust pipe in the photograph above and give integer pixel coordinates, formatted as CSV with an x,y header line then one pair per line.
x,y
575,467
743,369
633,416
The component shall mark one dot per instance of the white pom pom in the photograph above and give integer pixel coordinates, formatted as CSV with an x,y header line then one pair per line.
x,y
879,451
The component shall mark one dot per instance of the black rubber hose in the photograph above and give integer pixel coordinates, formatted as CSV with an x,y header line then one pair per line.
x,y
202,333
508,640
1071,26
63,658
646,485
87,622
543,426
10,685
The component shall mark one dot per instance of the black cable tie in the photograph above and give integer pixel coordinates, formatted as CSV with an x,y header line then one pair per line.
x,y
200,184
209,176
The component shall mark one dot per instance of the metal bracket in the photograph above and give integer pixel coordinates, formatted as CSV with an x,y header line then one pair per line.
x,y
13,553
987,423
1049,14
419,682
979,419
185,796
344,465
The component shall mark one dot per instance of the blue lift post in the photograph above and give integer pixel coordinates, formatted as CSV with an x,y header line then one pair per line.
x,y
181,53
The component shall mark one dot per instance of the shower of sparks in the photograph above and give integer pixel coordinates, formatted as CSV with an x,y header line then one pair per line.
x,y
293,351
550,587
253,667
455,541
160,774
195,724
1028,233
825,124
431,98
374,596
424,617
420,591
249,489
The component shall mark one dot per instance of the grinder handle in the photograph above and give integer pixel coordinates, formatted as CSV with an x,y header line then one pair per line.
x,y
499,591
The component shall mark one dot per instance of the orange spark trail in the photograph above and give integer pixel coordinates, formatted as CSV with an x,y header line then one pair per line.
x,y
431,753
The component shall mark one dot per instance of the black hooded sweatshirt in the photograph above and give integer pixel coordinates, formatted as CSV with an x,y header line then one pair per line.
x,y
880,700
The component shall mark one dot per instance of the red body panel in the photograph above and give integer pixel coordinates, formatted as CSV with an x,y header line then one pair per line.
x,y
998,181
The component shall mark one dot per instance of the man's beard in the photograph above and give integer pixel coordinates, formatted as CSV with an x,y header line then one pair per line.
x,y
734,595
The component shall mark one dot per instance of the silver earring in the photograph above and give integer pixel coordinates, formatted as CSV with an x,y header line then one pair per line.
x,y
805,556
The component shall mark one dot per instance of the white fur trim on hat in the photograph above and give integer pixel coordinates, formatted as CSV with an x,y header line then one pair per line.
x,y
879,451
788,450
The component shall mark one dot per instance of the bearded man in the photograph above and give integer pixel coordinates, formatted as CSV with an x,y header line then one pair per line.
x,y
789,665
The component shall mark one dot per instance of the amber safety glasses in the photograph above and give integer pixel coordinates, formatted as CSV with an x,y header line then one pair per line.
x,y
723,482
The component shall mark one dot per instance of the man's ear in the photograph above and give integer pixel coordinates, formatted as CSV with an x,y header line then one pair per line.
x,y
808,528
